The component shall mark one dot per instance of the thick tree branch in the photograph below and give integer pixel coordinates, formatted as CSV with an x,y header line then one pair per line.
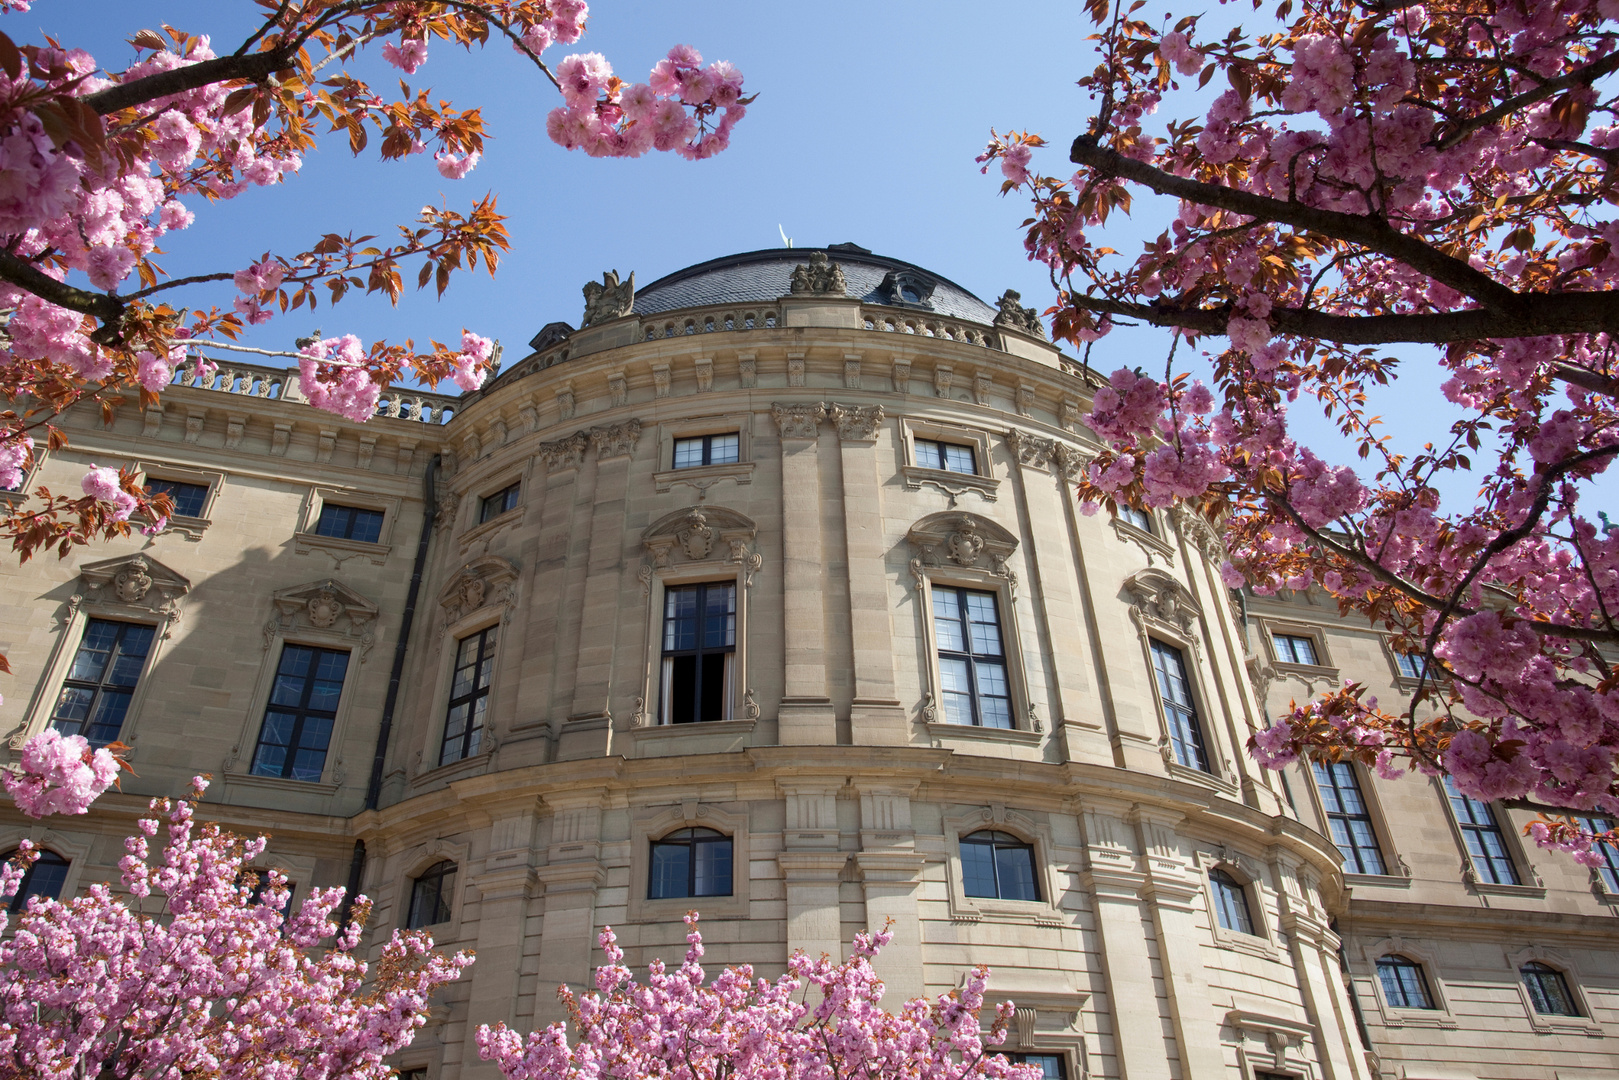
x,y
178,80
1584,76
1370,232
107,307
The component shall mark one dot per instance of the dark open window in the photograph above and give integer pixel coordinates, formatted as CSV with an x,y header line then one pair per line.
x,y
1609,870
189,499
98,688
999,865
1347,817
690,862
1548,990
1295,648
972,659
45,878
349,523
1404,984
1485,845
469,696
497,504
951,457
708,450
699,652
1180,711
431,896
1230,902
298,720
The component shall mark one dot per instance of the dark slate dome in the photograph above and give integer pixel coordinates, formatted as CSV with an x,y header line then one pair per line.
x,y
755,277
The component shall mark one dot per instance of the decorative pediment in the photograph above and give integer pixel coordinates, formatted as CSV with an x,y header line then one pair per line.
x,y
952,538
702,533
1155,597
327,606
138,580
484,582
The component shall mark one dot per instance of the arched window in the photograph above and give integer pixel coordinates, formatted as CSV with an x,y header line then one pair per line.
x,y
431,895
690,862
1230,902
1548,990
45,878
998,865
1404,984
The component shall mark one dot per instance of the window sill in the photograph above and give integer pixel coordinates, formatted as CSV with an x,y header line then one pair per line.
x,y
280,784
1252,944
1378,881
940,729
486,530
994,909
1148,542
1419,1018
703,477
703,736
1526,892
454,770
191,528
340,549
1201,778
1565,1025
1307,672
953,484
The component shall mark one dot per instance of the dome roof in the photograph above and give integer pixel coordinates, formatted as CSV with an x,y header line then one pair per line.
x,y
762,276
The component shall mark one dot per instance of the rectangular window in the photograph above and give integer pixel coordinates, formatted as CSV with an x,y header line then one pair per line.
x,y
349,523
708,450
1485,843
932,454
699,653
298,721
1295,648
1609,868
1180,711
189,499
1410,665
1050,1065
469,696
1350,824
974,688
98,688
1135,516
497,504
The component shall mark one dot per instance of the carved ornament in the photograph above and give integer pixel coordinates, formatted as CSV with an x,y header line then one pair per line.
x,y
798,421
609,300
615,440
1156,598
820,277
1032,450
486,581
953,538
132,581
565,453
328,606
701,534
856,423
1013,314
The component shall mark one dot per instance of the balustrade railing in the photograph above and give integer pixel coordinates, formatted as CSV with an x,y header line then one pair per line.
x,y
281,384
710,322
898,322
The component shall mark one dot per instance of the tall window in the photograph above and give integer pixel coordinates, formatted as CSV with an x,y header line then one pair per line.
x,y
1411,665
1295,648
431,896
1230,902
1485,844
1609,870
708,450
188,499
972,659
1180,712
1351,825
1136,516
1548,990
98,688
298,721
1404,984
1050,1065
349,523
469,696
999,865
931,454
45,878
690,862
699,652
497,504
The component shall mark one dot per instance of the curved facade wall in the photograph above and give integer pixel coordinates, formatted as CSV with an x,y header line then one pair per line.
x,y
881,542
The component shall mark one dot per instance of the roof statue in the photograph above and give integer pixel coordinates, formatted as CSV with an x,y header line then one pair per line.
x,y
1018,317
820,278
609,300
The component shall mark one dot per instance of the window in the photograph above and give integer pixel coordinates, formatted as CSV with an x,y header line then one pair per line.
x,y
413,1074
1548,990
690,862
932,454
469,696
708,450
45,878
1050,1065
1132,515
298,720
1410,664
261,884
1609,870
998,865
1347,818
1230,902
98,688
972,660
189,499
431,895
497,504
349,523
699,653
1295,648
1180,712
1485,845
1404,984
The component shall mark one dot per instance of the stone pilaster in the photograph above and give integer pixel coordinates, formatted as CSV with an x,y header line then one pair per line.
x,y
805,716
812,866
890,870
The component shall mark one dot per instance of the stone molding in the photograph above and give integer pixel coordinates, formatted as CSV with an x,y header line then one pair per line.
x,y
565,453
856,423
798,421
486,582
328,606
615,440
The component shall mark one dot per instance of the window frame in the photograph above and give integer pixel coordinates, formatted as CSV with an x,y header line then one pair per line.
x,y
1324,666
1395,1016
727,734
1566,965
984,482
1223,886
1393,868
16,904
1172,755
995,844
650,823
704,477
664,703
968,655
1247,874
705,458
308,540
941,460
690,843
484,692
451,903
1021,733
29,473
1035,832
301,712
101,684
1400,962
1526,883
1604,878
511,494
190,525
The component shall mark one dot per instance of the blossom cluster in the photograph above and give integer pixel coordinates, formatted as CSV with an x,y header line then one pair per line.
x,y
605,117
59,774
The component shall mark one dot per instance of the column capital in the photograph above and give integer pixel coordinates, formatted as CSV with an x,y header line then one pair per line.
x,y
856,423
798,421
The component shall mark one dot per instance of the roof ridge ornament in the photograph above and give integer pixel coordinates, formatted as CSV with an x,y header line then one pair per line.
x,y
609,300
821,277
1018,317
907,288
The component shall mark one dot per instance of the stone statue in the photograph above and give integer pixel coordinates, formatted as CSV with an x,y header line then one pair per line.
x,y
819,278
1018,317
609,300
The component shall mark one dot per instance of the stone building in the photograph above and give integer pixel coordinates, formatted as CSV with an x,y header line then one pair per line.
x,y
765,592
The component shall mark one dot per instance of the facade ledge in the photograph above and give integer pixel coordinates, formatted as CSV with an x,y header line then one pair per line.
x,y
340,549
703,477
939,730
279,784
1378,881
953,484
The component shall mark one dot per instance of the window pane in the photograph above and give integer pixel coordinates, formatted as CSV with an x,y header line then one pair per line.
x,y
977,868
94,650
682,689
670,870
712,868
958,458
44,879
1230,902
688,453
1295,648
1050,1065
984,624
724,449
1015,872
188,498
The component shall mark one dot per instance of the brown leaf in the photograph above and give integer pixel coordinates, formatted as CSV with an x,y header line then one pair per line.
x,y
10,57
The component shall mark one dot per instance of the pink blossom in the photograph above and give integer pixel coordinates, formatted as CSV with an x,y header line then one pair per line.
x,y
408,55
583,76
332,378
1015,163
59,774
15,453
455,166
1173,47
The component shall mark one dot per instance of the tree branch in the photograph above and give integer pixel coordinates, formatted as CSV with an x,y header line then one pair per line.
x,y
178,80
1584,76
108,307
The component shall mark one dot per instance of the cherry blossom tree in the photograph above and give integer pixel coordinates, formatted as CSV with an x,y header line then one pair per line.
x,y
740,1028
1375,174
197,969
97,166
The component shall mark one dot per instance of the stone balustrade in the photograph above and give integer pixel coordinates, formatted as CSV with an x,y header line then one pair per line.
x,y
281,384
